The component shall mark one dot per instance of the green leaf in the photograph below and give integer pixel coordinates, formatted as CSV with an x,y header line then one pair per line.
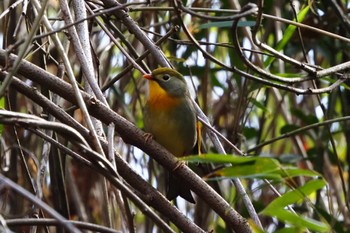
x,y
289,172
226,24
232,159
288,128
290,230
262,168
218,158
295,195
2,103
259,105
251,167
250,132
308,119
289,32
289,158
301,222
277,207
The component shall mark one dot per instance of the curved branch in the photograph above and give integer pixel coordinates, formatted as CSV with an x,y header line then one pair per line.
x,y
4,181
122,15
106,169
135,136
259,70
54,222
25,120
298,131
145,190
277,80
239,14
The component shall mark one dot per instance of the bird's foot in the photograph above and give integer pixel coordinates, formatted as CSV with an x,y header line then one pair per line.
x,y
148,137
179,164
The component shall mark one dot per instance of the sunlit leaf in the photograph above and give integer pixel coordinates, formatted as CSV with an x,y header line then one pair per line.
x,y
219,158
287,35
300,221
277,207
294,171
290,230
251,167
295,195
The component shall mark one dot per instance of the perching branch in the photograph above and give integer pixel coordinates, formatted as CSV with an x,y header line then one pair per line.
x,y
135,136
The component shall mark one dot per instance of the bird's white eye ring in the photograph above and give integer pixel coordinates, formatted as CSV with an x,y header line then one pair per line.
x,y
166,77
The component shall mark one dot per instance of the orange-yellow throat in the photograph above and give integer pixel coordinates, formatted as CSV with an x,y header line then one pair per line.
x,y
164,121
169,113
159,99
171,119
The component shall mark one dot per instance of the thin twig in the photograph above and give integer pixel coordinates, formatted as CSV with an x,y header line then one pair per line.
x,y
29,196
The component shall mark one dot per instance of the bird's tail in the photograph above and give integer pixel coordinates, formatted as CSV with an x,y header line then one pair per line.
x,y
176,187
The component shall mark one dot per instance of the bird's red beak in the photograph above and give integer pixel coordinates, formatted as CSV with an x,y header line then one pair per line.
x,y
147,76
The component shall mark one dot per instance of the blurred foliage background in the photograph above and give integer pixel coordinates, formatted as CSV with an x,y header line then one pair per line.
x,y
273,82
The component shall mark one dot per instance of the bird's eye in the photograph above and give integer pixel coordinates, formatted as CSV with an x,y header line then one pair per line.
x,y
166,77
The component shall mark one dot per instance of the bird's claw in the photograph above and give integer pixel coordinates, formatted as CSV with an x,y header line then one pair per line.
x,y
179,164
148,137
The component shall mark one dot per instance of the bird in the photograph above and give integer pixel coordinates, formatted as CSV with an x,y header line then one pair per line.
x,y
170,118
